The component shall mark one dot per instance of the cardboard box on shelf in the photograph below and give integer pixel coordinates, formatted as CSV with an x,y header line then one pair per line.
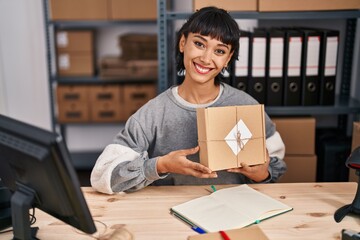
x,y
72,93
298,134
300,168
138,46
72,103
136,95
79,9
355,143
105,93
307,5
228,5
133,9
107,111
73,40
231,135
74,111
113,67
75,64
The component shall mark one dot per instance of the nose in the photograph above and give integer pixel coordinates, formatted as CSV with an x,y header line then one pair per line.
x,y
206,56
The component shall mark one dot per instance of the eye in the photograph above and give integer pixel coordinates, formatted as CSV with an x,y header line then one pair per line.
x,y
199,44
220,52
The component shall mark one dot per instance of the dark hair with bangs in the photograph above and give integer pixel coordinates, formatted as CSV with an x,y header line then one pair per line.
x,y
215,23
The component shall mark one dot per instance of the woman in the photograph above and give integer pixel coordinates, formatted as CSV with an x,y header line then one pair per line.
x,y
159,142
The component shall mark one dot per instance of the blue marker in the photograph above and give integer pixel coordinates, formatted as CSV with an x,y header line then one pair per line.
x,y
198,229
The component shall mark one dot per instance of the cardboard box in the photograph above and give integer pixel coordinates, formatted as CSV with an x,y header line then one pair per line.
x,y
355,143
228,5
136,95
301,168
75,64
307,5
105,93
229,136
298,134
74,111
107,111
79,9
77,41
72,93
72,103
112,67
133,9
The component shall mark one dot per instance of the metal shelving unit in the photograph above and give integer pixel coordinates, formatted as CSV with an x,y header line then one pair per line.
x,y
81,160
344,104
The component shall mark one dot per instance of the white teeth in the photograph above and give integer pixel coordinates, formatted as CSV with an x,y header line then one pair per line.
x,y
201,69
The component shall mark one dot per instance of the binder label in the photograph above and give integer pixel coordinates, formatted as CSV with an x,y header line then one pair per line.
x,y
276,57
294,57
331,56
312,56
242,65
259,54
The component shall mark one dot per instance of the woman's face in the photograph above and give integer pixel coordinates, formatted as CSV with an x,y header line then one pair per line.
x,y
204,57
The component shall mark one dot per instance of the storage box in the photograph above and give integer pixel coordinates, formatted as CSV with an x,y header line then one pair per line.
x,y
79,9
228,5
72,103
138,46
77,41
298,134
301,168
71,112
136,95
229,136
75,64
116,68
72,93
307,5
355,143
133,9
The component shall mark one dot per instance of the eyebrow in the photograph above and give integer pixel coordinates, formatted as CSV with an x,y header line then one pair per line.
x,y
204,39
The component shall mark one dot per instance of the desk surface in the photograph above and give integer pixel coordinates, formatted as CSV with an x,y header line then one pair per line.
x,y
146,213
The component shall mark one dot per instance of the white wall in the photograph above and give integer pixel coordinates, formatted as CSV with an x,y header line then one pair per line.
x,y
24,93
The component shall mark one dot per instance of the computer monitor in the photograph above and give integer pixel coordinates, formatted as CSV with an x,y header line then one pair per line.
x,y
36,166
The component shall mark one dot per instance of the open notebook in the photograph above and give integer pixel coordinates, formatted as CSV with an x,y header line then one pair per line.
x,y
229,208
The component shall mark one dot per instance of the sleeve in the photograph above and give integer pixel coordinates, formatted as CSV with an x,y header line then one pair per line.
x,y
276,149
125,165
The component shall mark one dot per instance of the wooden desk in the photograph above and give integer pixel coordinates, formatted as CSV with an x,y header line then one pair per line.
x,y
146,212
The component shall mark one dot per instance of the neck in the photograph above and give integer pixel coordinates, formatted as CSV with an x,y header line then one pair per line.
x,y
198,94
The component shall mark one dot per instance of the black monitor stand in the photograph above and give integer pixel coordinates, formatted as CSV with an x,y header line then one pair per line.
x,y
21,203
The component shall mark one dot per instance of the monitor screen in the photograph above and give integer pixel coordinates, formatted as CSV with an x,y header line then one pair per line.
x,y
36,166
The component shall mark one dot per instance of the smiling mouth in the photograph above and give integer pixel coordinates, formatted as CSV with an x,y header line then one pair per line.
x,y
201,69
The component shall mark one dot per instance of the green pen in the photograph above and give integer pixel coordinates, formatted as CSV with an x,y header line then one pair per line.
x,y
213,188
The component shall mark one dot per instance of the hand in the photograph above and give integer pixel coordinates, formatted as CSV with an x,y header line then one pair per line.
x,y
176,162
257,173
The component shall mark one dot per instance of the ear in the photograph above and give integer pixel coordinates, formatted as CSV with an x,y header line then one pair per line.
x,y
182,43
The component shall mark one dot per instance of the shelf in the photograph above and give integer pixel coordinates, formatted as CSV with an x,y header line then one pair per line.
x,y
341,106
96,24
279,15
97,80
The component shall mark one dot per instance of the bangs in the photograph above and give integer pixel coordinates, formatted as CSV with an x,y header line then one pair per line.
x,y
214,26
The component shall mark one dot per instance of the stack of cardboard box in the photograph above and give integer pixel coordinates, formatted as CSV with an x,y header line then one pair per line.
x,y
298,135
75,53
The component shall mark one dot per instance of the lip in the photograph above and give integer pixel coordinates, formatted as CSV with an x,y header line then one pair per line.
x,y
201,69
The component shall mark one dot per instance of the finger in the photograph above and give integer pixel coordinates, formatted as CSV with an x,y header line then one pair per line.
x,y
203,175
189,151
200,168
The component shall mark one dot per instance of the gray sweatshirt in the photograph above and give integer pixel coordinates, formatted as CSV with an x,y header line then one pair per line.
x,y
167,123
